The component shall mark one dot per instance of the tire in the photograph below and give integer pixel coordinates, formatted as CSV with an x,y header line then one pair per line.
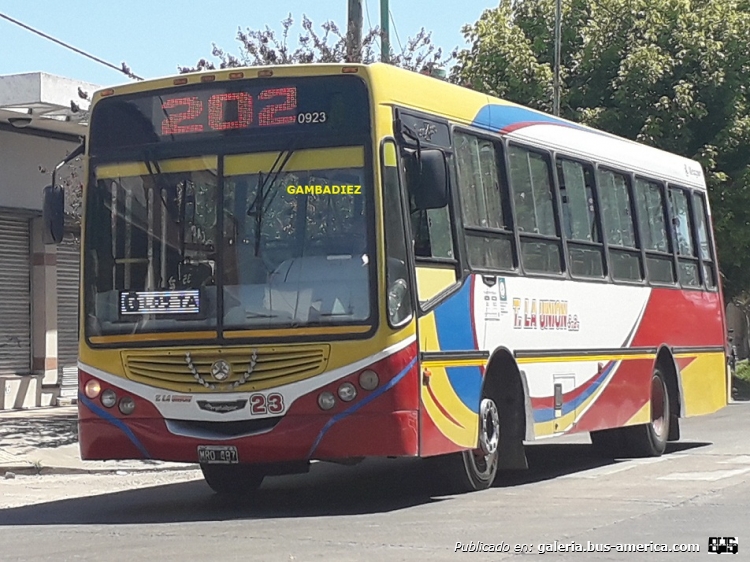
x,y
609,443
232,479
646,440
473,470
650,440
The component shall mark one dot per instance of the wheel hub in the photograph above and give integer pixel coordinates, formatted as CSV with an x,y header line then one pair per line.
x,y
658,406
489,427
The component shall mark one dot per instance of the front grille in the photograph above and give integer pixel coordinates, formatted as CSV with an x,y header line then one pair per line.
x,y
274,366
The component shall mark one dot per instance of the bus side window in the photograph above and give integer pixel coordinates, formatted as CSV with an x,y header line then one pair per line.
x,y
617,215
580,218
531,183
649,197
489,236
704,241
682,228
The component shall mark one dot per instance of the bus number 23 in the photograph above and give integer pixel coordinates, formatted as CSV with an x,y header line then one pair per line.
x,y
262,404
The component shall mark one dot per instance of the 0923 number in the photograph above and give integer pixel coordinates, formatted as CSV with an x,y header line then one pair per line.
x,y
312,117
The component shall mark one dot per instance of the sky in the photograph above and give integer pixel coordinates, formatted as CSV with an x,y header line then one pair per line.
x,y
154,37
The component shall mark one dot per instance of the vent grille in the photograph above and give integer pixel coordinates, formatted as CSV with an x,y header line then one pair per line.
x,y
274,366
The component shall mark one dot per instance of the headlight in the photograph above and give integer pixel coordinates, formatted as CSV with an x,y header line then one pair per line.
x,y
109,398
92,389
347,392
369,380
396,295
126,405
326,400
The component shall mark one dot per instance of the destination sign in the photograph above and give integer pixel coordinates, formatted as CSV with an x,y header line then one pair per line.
x,y
237,109
159,302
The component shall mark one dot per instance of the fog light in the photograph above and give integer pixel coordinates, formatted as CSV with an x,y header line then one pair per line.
x,y
326,400
92,389
369,380
126,405
109,398
347,392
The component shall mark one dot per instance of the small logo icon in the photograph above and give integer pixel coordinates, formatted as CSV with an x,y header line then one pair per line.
x,y
723,544
221,370
221,407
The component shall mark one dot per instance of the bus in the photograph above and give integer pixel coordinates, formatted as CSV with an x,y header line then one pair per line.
x,y
335,262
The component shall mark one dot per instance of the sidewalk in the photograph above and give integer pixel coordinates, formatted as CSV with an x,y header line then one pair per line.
x,y
45,441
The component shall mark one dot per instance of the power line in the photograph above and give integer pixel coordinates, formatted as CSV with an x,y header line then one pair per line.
x,y
367,11
124,69
400,46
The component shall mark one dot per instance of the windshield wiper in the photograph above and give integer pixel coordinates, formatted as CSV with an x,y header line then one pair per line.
x,y
259,207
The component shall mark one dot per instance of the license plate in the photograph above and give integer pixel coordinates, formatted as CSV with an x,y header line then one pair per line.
x,y
217,454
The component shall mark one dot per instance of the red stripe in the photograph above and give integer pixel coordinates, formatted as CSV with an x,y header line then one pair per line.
x,y
440,407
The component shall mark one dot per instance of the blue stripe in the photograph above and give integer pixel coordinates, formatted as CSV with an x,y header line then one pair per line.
x,y
453,322
354,407
119,424
548,414
495,117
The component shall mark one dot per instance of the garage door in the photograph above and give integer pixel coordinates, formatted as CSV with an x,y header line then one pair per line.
x,y
15,294
67,314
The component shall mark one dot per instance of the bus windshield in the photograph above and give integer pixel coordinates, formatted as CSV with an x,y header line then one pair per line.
x,y
176,245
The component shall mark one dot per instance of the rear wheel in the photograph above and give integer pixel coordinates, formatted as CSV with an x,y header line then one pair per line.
x,y
232,479
476,469
646,440
650,440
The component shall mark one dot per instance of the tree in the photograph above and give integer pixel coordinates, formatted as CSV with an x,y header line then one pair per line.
x,y
265,47
668,73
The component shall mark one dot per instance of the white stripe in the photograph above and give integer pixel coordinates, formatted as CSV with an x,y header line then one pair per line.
x,y
621,466
710,476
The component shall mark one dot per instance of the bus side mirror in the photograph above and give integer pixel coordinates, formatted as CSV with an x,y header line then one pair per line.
x,y
428,180
53,214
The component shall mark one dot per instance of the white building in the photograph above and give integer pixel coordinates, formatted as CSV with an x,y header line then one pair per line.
x,y
42,119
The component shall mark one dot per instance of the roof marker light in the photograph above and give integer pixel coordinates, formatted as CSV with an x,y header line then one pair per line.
x,y
180,81
265,73
208,78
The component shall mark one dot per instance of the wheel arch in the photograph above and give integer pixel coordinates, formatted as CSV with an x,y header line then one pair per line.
x,y
508,385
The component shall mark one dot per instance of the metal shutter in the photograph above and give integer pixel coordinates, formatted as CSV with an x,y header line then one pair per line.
x,y
68,261
15,294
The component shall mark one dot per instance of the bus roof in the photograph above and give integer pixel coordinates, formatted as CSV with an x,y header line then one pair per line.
x,y
393,86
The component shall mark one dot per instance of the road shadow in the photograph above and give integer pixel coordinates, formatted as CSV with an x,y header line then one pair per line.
x,y
373,486
38,431
552,460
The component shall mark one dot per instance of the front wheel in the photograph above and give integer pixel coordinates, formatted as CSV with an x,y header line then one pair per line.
x,y
476,469
232,479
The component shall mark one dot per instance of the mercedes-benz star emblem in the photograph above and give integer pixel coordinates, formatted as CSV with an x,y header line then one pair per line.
x,y
221,370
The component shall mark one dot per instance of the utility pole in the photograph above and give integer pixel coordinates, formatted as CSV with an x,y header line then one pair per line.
x,y
558,48
385,42
354,32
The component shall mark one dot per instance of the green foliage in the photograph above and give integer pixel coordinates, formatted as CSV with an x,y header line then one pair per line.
x,y
265,47
674,74
743,371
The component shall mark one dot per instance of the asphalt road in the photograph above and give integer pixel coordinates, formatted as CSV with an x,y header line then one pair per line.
x,y
384,510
